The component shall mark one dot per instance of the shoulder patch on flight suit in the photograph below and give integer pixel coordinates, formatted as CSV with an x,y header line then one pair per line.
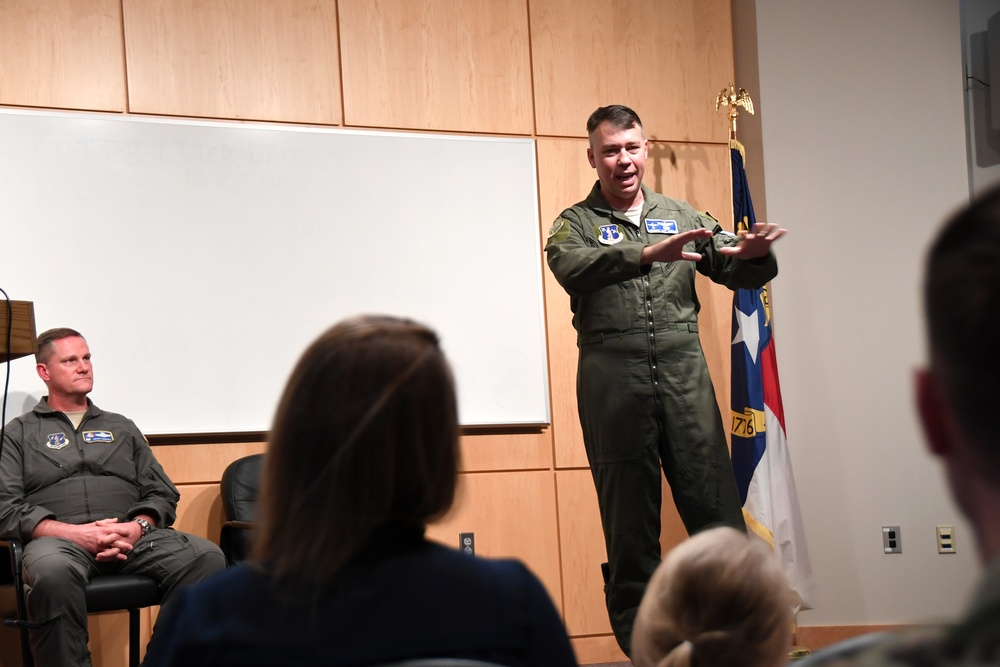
x,y
98,436
609,234
559,230
56,441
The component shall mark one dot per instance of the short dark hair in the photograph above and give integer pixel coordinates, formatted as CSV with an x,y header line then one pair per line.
x,y
619,115
365,436
962,307
46,338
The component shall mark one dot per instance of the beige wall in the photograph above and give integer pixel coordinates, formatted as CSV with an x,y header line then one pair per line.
x,y
862,180
533,68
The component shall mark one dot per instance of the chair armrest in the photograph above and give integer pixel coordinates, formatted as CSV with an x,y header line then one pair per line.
x,y
235,540
240,525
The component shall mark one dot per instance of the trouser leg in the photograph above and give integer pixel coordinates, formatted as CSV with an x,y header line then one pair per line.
x,y
175,560
629,498
694,448
620,434
56,572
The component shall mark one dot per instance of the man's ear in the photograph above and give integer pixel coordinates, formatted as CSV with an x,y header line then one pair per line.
x,y
43,371
590,158
935,415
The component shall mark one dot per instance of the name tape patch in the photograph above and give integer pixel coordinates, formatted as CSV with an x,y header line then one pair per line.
x,y
654,226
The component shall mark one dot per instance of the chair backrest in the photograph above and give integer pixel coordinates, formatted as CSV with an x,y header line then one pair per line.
x,y
239,488
240,484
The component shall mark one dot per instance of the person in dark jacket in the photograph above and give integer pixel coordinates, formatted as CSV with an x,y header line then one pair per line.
x,y
627,256
82,489
363,453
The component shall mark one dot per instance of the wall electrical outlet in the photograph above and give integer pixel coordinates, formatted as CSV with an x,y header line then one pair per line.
x,y
467,543
946,539
892,542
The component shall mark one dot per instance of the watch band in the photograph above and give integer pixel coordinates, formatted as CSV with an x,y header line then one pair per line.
x,y
146,526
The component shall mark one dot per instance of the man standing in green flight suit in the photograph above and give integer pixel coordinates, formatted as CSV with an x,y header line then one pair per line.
x,y
627,257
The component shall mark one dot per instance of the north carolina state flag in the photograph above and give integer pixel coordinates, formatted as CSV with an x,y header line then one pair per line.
x,y
760,453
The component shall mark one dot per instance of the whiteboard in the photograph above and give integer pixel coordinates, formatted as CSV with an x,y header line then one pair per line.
x,y
199,259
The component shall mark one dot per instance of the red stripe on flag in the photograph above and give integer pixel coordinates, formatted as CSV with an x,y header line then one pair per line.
x,y
769,379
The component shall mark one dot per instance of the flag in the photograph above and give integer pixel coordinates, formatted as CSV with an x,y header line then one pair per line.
x,y
761,462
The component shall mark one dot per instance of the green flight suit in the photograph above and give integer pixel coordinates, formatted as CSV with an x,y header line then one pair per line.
x,y
644,394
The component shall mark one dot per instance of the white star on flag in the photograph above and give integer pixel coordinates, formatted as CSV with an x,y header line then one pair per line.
x,y
748,332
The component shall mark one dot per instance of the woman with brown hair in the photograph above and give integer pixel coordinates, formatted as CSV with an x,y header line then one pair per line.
x,y
363,453
719,598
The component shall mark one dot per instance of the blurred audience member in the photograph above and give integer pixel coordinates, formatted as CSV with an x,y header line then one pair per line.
x,y
363,453
719,599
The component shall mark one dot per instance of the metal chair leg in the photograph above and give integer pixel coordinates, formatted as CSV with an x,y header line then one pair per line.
x,y
133,637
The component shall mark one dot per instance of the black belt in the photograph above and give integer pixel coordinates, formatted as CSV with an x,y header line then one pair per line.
x,y
681,327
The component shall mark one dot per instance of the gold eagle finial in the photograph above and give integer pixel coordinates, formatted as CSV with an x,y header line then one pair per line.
x,y
729,97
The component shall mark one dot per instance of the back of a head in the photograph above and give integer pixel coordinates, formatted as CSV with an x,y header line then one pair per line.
x,y
718,599
365,436
962,306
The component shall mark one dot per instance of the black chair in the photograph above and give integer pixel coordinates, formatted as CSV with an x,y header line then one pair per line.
x,y
239,487
114,592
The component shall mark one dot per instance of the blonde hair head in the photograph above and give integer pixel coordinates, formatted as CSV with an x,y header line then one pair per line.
x,y
719,598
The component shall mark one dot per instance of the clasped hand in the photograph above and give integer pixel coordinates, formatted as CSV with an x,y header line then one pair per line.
x,y
110,540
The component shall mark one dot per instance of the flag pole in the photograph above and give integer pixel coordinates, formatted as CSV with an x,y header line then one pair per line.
x,y
731,98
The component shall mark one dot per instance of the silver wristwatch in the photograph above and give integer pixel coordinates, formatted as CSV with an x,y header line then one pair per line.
x,y
146,526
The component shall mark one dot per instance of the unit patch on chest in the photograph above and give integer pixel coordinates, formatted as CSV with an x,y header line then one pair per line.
x,y
56,441
654,226
609,234
98,436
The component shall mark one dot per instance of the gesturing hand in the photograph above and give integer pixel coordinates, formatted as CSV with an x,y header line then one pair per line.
x,y
672,249
756,242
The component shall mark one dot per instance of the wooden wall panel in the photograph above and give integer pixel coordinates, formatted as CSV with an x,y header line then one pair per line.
x,y
507,451
583,551
513,515
582,541
63,54
243,59
199,511
10,643
564,178
201,464
108,641
667,59
437,65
